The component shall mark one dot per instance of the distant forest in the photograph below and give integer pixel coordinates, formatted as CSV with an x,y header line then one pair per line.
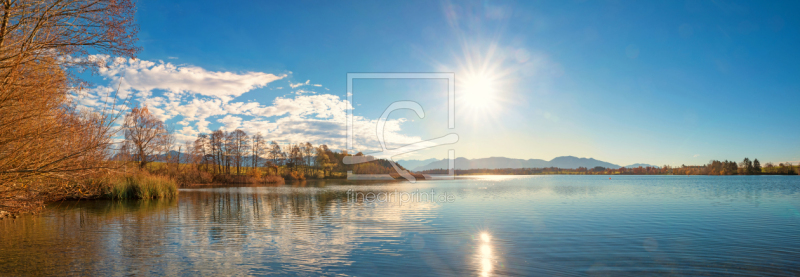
x,y
714,167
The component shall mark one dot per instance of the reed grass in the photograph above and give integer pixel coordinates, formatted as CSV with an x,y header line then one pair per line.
x,y
142,186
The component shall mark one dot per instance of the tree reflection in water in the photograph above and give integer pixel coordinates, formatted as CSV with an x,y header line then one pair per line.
x,y
235,230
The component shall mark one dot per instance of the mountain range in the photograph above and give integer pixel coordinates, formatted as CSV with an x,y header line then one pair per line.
x,y
642,165
502,162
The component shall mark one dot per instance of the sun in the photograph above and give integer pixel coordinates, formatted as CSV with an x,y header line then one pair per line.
x,y
477,93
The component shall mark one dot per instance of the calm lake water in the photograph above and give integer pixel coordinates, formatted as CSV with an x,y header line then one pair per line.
x,y
493,225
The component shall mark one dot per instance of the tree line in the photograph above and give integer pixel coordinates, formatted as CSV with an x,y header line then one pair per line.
x,y
714,167
236,153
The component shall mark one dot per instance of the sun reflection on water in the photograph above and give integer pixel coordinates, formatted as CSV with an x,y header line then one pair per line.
x,y
485,254
485,237
486,251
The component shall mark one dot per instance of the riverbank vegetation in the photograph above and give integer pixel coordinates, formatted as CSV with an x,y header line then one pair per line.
x,y
234,157
148,163
714,167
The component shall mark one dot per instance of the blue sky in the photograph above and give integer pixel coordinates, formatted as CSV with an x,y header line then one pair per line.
x,y
659,82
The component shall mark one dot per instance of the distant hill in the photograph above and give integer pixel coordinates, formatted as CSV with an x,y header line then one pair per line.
x,y
642,165
575,162
415,163
502,162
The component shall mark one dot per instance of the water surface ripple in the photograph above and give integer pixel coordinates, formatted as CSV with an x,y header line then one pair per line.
x,y
495,225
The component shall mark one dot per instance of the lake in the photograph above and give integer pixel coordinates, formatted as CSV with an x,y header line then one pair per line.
x,y
488,225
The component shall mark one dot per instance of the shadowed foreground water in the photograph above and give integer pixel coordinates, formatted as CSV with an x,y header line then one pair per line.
x,y
494,225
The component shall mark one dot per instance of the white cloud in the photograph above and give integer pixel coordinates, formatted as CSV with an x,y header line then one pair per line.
x,y
189,131
307,83
696,155
230,122
299,84
302,91
92,97
145,76
197,109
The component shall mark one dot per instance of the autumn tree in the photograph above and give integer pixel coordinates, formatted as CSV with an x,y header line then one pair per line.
x,y
143,130
769,167
295,156
228,153
257,148
283,157
202,149
756,167
323,159
308,152
275,152
32,30
747,166
46,142
166,142
240,147
217,143
189,157
714,167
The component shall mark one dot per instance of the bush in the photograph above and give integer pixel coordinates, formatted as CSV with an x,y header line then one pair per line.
x,y
254,173
294,175
234,179
203,177
272,179
189,177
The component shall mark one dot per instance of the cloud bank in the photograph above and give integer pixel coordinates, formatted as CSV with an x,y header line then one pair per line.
x,y
196,100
